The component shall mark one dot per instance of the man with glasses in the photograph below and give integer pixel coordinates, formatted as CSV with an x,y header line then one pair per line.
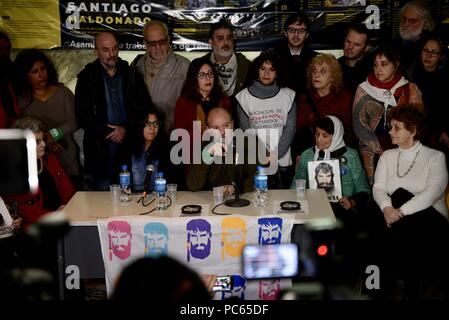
x,y
160,70
102,110
232,67
295,55
415,20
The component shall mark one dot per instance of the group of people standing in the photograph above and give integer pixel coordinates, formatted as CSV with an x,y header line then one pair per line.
x,y
354,109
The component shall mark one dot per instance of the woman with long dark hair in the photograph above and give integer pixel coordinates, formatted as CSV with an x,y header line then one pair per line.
x,y
40,95
201,92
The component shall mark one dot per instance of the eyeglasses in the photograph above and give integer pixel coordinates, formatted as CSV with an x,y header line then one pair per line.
x,y
432,53
298,31
153,44
154,124
204,75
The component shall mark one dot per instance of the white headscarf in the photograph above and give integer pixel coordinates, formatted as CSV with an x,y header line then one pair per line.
x,y
337,140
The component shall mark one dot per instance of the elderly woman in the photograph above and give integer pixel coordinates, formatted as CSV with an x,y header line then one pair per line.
x,y
150,146
41,96
329,144
325,96
200,93
385,88
267,106
55,188
409,188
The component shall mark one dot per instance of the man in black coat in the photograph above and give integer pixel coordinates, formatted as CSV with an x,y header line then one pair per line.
x,y
102,110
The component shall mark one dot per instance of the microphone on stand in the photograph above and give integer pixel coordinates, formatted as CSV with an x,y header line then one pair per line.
x,y
236,202
146,185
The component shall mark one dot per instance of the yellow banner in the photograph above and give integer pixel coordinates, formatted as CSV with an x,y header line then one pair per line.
x,y
31,23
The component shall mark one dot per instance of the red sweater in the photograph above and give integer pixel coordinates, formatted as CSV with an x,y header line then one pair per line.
x,y
185,112
335,104
30,205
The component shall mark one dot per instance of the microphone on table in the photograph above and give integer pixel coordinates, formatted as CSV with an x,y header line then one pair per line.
x,y
236,202
146,185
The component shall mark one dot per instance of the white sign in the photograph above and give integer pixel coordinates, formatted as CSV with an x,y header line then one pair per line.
x,y
209,245
325,174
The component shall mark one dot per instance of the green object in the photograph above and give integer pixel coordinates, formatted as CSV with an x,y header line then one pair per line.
x,y
56,133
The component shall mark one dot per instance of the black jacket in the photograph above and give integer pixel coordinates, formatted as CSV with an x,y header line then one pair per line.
x,y
91,114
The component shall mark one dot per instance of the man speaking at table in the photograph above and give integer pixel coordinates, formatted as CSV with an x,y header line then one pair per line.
x,y
214,169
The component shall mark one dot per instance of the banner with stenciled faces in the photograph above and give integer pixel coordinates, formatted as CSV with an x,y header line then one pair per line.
x,y
208,245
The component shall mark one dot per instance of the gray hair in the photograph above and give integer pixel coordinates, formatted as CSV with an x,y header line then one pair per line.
x,y
33,124
429,24
156,23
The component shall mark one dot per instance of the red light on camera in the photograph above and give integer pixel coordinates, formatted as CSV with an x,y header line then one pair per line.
x,y
322,250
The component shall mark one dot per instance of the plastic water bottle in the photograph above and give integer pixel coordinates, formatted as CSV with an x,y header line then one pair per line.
x,y
160,187
261,192
125,184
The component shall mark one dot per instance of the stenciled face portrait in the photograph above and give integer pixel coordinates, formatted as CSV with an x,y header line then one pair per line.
x,y
121,244
156,244
199,237
270,231
269,289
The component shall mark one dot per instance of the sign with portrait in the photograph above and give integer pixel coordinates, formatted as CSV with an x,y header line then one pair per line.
x,y
207,244
325,174
6,228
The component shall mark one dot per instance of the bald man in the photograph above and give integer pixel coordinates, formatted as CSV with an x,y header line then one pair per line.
x,y
213,171
102,110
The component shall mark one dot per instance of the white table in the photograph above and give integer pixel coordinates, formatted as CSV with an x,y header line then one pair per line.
x,y
81,245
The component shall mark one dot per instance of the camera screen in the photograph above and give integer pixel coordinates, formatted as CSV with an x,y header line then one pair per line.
x,y
223,283
270,261
18,159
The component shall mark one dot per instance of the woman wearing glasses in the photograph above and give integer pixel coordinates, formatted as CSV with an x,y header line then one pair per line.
x,y
384,88
150,146
200,93
431,74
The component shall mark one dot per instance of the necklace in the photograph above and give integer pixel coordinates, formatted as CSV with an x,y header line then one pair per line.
x,y
409,168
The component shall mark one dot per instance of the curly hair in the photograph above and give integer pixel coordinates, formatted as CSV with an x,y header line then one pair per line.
x,y
411,117
24,62
33,124
336,72
275,60
190,88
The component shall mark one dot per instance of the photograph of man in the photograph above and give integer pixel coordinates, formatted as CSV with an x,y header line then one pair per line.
x,y
326,175
156,239
198,239
119,234
233,237
270,230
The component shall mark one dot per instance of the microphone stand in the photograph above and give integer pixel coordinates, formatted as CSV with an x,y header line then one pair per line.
x,y
237,202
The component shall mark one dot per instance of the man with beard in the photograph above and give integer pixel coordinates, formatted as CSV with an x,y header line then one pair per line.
x,y
102,110
414,21
119,233
156,239
198,239
232,68
324,176
270,231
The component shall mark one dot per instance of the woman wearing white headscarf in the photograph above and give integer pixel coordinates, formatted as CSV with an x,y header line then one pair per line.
x,y
329,145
